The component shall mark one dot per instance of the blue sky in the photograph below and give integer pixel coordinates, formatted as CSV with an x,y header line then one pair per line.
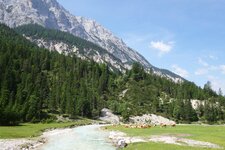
x,y
184,36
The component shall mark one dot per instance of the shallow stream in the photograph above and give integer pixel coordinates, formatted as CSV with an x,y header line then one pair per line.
x,y
89,137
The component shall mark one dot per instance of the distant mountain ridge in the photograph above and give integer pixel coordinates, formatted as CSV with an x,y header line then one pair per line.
x,y
50,14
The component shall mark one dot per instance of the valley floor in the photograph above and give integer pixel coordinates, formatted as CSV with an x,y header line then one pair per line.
x,y
205,133
27,135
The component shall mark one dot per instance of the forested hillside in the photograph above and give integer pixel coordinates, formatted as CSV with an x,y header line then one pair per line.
x,y
148,93
36,83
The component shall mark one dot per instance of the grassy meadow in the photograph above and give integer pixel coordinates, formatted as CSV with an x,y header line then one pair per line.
x,y
213,134
32,130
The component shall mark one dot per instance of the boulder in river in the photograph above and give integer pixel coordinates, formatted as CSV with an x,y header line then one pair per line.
x,y
122,143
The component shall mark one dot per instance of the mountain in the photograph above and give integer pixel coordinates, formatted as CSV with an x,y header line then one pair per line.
x,y
50,14
68,44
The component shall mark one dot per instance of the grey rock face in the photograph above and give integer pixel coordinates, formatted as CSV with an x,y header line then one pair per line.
x,y
87,53
109,117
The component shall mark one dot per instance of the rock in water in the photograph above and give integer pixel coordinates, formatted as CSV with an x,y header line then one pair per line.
x,y
122,143
109,117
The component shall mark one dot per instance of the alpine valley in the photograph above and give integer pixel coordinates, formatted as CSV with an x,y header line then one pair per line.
x,y
55,64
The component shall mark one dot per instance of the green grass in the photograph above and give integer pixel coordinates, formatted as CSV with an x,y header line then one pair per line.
x,y
32,130
161,146
213,134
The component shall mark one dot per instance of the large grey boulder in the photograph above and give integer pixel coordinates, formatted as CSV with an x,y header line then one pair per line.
x,y
108,117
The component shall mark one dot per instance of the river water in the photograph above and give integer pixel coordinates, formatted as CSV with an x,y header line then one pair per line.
x,y
89,137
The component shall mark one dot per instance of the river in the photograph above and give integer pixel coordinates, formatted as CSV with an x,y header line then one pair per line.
x,y
89,137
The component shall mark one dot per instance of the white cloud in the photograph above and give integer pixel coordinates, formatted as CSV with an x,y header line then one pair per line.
x,y
209,69
217,83
212,57
202,62
201,71
162,47
222,68
180,71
